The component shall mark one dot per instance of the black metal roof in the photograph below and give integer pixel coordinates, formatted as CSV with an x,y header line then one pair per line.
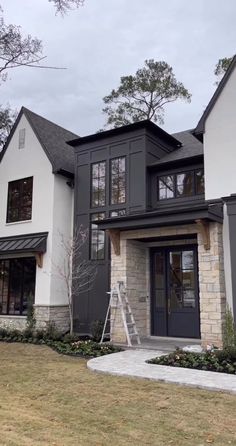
x,y
147,124
24,243
184,214
191,148
201,124
53,139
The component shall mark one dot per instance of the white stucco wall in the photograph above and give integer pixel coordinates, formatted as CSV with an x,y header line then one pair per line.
x,y
51,208
62,226
220,144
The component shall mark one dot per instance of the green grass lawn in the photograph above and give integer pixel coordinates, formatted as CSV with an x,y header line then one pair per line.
x,y
50,399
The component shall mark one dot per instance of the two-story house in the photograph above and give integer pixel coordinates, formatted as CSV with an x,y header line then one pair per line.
x,y
158,198
36,208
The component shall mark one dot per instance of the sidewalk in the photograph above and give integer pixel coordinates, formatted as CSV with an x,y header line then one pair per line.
x,y
132,363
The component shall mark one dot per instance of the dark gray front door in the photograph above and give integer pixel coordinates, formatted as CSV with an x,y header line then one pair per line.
x,y
175,296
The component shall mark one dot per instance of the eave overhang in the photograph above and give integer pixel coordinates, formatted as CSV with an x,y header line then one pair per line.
x,y
186,215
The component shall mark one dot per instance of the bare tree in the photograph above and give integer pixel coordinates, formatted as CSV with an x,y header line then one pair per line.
x,y
77,273
62,6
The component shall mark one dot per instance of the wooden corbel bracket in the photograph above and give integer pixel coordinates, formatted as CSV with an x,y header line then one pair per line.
x,y
114,235
39,259
203,227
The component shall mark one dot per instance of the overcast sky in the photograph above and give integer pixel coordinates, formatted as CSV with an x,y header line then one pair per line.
x,y
106,39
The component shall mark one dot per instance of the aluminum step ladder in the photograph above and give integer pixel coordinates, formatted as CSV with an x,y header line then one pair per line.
x,y
119,300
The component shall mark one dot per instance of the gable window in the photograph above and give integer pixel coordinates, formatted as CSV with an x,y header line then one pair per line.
x,y
166,187
97,238
19,207
118,183
181,184
98,184
21,138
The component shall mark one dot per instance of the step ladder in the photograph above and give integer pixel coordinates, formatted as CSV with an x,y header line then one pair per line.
x,y
119,300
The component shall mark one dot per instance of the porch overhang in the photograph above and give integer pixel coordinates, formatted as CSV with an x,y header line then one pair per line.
x,y
180,216
35,244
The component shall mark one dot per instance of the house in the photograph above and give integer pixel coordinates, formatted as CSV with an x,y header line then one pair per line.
x,y
166,203
36,207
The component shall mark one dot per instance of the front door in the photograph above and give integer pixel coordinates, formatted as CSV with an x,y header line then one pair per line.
x,y
175,297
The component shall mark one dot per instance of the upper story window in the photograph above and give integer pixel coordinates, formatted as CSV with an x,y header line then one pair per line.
x,y
98,184
118,183
19,205
182,184
21,138
97,238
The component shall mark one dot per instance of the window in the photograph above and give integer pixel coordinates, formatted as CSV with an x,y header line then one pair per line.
x,y
97,238
199,181
184,182
17,285
118,186
21,138
98,184
19,206
118,213
181,184
166,187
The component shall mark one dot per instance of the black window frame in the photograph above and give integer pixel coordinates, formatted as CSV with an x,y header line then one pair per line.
x,y
117,203
10,283
93,217
20,208
175,174
120,213
99,178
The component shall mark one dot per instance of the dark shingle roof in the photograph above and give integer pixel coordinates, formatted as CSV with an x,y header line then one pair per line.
x,y
191,147
53,139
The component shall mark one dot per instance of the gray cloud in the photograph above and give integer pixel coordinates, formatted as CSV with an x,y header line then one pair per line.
x,y
109,38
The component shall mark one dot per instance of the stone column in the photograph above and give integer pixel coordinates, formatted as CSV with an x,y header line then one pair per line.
x,y
211,286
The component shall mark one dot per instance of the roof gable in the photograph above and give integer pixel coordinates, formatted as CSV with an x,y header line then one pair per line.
x,y
52,138
201,124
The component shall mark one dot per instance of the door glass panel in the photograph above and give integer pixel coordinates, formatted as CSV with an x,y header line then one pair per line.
x,y
176,298
188,279
189,298
182,279
159,270
28,284
187,260
160,298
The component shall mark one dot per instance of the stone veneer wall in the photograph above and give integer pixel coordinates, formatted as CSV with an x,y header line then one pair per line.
x,y
43,314
212,286
59,315
132,267
13,322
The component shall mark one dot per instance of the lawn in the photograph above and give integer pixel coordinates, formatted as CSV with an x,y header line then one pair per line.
x,y
50,399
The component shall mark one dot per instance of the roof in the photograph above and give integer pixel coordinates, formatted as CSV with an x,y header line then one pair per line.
x,y
146,124
201,124
24,243
53,139
191,148
185,213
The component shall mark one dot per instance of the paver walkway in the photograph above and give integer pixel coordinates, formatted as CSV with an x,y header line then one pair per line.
x,y
132,363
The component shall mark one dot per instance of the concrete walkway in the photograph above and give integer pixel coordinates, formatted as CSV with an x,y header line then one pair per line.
x,y
132,363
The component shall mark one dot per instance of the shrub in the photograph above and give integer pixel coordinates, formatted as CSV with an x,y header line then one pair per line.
x,y
215,361
52,332
96,328
229,330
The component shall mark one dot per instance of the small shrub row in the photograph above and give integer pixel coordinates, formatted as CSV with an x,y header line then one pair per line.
x,y
223,361
66,344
